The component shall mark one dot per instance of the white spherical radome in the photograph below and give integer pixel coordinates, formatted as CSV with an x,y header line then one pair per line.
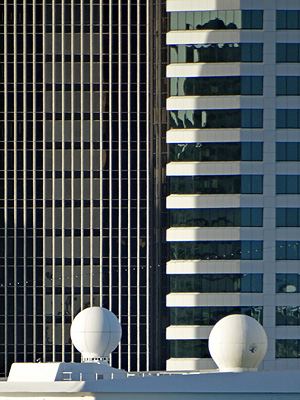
x,y
238,343
95,332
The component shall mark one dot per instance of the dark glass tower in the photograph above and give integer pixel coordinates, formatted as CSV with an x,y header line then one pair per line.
x,y
76,182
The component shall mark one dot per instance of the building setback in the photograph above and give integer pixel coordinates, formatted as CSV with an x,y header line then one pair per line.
x,y
233,174
75,176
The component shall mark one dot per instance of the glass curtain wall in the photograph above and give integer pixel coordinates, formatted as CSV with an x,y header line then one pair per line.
x,y
74,175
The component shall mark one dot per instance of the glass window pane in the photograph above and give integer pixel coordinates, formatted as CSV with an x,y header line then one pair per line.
x,y
246,19
281,152
292,184
281,85
292,85
257,19
280,217
292,151
257,52
292,118
292,19
281,119
281,19
292,52
281,52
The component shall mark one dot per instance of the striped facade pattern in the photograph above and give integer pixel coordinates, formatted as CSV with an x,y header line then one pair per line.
x,y
74,174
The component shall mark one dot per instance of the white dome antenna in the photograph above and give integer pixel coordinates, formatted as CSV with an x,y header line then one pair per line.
x,y
237,343
95,332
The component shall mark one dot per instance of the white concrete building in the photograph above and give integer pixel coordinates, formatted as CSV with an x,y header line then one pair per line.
x,y
234,174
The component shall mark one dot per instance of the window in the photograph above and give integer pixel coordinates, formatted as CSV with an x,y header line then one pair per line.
x,y
229,19
215,119
225,86
216,217
216,283
288,151
287,52
289,19
228,52
189,348
287,348
287,250
215,250
223,184
287,184
287,283
287,86
288,217
287,315
210,315
245,151
287,119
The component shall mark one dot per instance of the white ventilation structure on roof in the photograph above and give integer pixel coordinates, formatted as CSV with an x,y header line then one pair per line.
x,y
95,332
238,343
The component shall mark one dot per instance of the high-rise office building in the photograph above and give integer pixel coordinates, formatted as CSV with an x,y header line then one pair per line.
x,y
75,173
233,174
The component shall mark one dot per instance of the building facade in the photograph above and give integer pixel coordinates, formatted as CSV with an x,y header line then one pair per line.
x,y
233,174
76,176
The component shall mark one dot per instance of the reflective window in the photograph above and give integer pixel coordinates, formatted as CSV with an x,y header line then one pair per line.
x,y
215,250
287,315
216,217
217,86
245,151
189,348
210,315
287,348
229,19
288,151
287,283
287,184
287,19
287,85
214,119
287,52
227,52
217,283
288,217
287,250
210,184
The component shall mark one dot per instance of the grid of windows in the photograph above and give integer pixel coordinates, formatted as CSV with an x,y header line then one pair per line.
x,y
208,250
217,283
217,119
287,52
287,86
210,315
75,215
223,184
287,250
217,86
229,19
239,151
287,184
216,217
288,151
288,217
288,19
287,119
216,53
287,283
194,348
